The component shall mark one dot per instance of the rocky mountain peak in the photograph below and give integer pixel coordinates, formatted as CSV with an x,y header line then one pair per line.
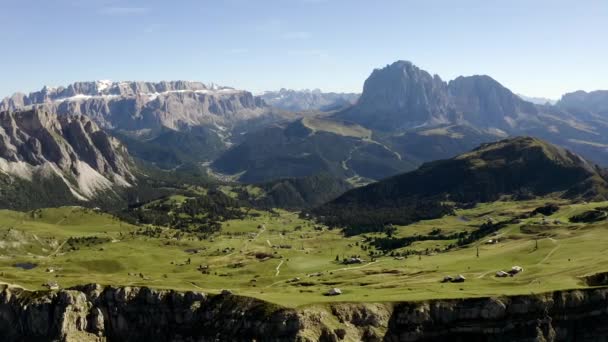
x,y
400,95
484,102
403,96
37,143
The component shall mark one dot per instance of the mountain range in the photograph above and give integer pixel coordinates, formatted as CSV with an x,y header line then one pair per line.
x,y
404,117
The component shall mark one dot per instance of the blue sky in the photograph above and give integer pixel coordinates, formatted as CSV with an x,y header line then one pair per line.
x,y
534,47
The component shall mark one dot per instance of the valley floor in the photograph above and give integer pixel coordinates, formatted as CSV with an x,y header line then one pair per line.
x,y
282,258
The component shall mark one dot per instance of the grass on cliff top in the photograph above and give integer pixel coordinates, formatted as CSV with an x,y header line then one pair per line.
x,y
260,256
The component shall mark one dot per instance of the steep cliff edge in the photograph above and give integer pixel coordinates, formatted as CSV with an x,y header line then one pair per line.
x,y
92,313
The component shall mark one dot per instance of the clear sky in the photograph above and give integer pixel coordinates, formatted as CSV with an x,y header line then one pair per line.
x,y
534,47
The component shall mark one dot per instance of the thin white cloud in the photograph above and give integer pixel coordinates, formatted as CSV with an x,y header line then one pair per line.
x,y
123,10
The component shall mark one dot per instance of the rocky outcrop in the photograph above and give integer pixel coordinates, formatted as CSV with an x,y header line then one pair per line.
x,y
93,313
146,105
400,96
37,144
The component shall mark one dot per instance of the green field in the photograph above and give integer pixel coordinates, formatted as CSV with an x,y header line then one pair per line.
x,y
261,256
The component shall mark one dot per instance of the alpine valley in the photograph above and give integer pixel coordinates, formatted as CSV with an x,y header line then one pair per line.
x,y
417,210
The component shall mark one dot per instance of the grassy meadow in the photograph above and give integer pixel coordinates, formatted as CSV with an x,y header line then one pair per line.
x,y
282,258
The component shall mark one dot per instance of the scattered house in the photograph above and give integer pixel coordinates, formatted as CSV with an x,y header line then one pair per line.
x,y
226,292
447,279
492,242
51,285
515,270
399,258
459,279
50,270
334,292
557,221
502,274
350,261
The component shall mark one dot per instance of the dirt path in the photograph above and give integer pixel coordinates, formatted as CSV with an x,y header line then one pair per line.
x,y
248,242
57,250
340,269
278,269
350,156
354,268
548,255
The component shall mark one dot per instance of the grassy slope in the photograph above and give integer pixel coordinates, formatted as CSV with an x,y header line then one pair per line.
x,y
565,252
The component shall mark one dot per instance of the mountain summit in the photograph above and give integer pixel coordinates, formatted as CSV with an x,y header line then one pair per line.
x,y
402,96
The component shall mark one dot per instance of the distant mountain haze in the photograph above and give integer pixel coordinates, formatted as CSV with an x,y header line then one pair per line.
x,y
308,100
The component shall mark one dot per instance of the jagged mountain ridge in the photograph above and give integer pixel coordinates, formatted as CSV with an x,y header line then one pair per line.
x,y
208,117
38,145
146,105
309,100
402,96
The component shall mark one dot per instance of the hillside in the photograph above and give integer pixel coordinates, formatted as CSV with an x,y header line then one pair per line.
x,y
520,167
308,147
300,193
47,159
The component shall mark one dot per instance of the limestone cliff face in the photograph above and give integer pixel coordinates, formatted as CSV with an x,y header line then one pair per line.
x,y
36,144
146,105
92,313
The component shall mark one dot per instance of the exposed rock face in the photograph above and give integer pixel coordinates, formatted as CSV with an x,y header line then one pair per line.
x,y
583,102
139,105
37,143
401,96
91,313
308,100
485,103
